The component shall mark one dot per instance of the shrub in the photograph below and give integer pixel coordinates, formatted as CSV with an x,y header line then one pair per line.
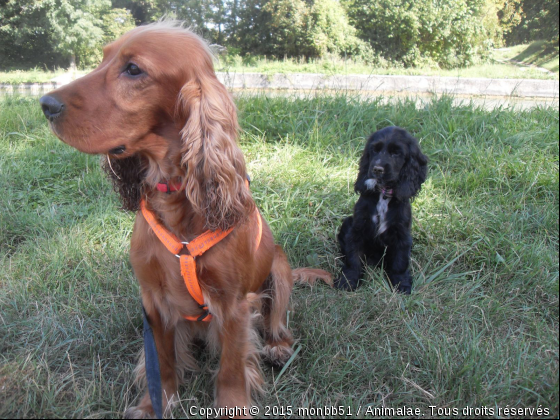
x,y
448,33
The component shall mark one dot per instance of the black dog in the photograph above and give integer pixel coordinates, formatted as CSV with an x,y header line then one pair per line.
x,y
392,170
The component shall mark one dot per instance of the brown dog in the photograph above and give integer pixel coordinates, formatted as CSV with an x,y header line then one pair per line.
x,y
155,107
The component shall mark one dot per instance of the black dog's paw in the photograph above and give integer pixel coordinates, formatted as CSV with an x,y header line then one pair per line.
x,y
401,282
342,283
404,288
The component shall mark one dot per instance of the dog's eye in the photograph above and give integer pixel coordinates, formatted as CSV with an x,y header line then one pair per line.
x,y
133,70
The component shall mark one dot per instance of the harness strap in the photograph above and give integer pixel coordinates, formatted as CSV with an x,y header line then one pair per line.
x,y
207,240
195,248
188,271
169,240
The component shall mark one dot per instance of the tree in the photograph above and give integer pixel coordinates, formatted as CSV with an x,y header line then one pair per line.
x,y
449,33
539,21
249,26
24,38
116,22
143,11
329,31
288,27
58,32
207,17
310,28
74,27
71,29
510,13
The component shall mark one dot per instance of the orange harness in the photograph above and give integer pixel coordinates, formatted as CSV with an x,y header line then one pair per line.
x,y
195,248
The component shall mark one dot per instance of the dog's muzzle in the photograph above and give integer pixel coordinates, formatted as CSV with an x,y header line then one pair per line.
x,y
52,107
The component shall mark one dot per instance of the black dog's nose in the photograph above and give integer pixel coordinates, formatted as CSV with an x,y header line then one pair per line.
x,y
378,170
52,107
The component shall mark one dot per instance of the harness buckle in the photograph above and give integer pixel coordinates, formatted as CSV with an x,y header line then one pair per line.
x,y
204,315
184,246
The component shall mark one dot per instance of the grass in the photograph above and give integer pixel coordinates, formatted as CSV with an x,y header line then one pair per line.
x,y
480,329
499,67
36,75
538,53
507,63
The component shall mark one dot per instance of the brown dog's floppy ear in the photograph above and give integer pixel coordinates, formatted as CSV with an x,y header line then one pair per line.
x,y
214,164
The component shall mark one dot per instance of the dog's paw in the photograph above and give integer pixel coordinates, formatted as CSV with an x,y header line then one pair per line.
x,y
277,354
405,289
342,283
139,413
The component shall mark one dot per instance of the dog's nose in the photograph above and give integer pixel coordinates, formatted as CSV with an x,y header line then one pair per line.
x,y
52,107
378,170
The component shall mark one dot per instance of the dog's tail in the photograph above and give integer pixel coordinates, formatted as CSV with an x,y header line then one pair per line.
x,y
311,275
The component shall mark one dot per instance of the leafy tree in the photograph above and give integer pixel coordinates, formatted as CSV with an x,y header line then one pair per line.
x,y
288,27
448,33
74,27
310,28
329,31
58,32
116,22
249,26
539,21
207,17
143,11
24,39
510,13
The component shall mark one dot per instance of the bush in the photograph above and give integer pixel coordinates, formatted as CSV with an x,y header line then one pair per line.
x,y
56,33
539,21
447,33
330,32
312,30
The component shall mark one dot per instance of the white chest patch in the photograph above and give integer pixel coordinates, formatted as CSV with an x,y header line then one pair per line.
x,y
370,183
380,219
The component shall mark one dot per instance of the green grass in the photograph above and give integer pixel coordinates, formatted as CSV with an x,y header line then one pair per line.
x,y
503,65
479,330
335,65
36,75
539,53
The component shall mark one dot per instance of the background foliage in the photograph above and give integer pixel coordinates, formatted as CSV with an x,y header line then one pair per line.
x,y
450,33
442,33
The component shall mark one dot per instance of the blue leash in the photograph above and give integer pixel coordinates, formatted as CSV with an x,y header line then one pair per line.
x,y
152,367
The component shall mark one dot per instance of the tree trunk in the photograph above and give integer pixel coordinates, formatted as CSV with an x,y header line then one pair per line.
x,y
72,67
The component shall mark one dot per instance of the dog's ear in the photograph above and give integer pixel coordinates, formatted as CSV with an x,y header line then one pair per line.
x,y
214,164
360,185
413,172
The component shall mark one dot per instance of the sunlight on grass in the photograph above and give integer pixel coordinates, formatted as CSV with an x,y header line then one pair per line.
x,y
498,68
480,328
35,75
537,53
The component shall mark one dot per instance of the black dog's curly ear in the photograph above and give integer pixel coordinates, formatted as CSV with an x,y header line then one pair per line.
x,y
360,185
413,173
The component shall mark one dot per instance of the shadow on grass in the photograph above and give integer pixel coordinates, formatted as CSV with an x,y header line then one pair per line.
x,y
537,53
